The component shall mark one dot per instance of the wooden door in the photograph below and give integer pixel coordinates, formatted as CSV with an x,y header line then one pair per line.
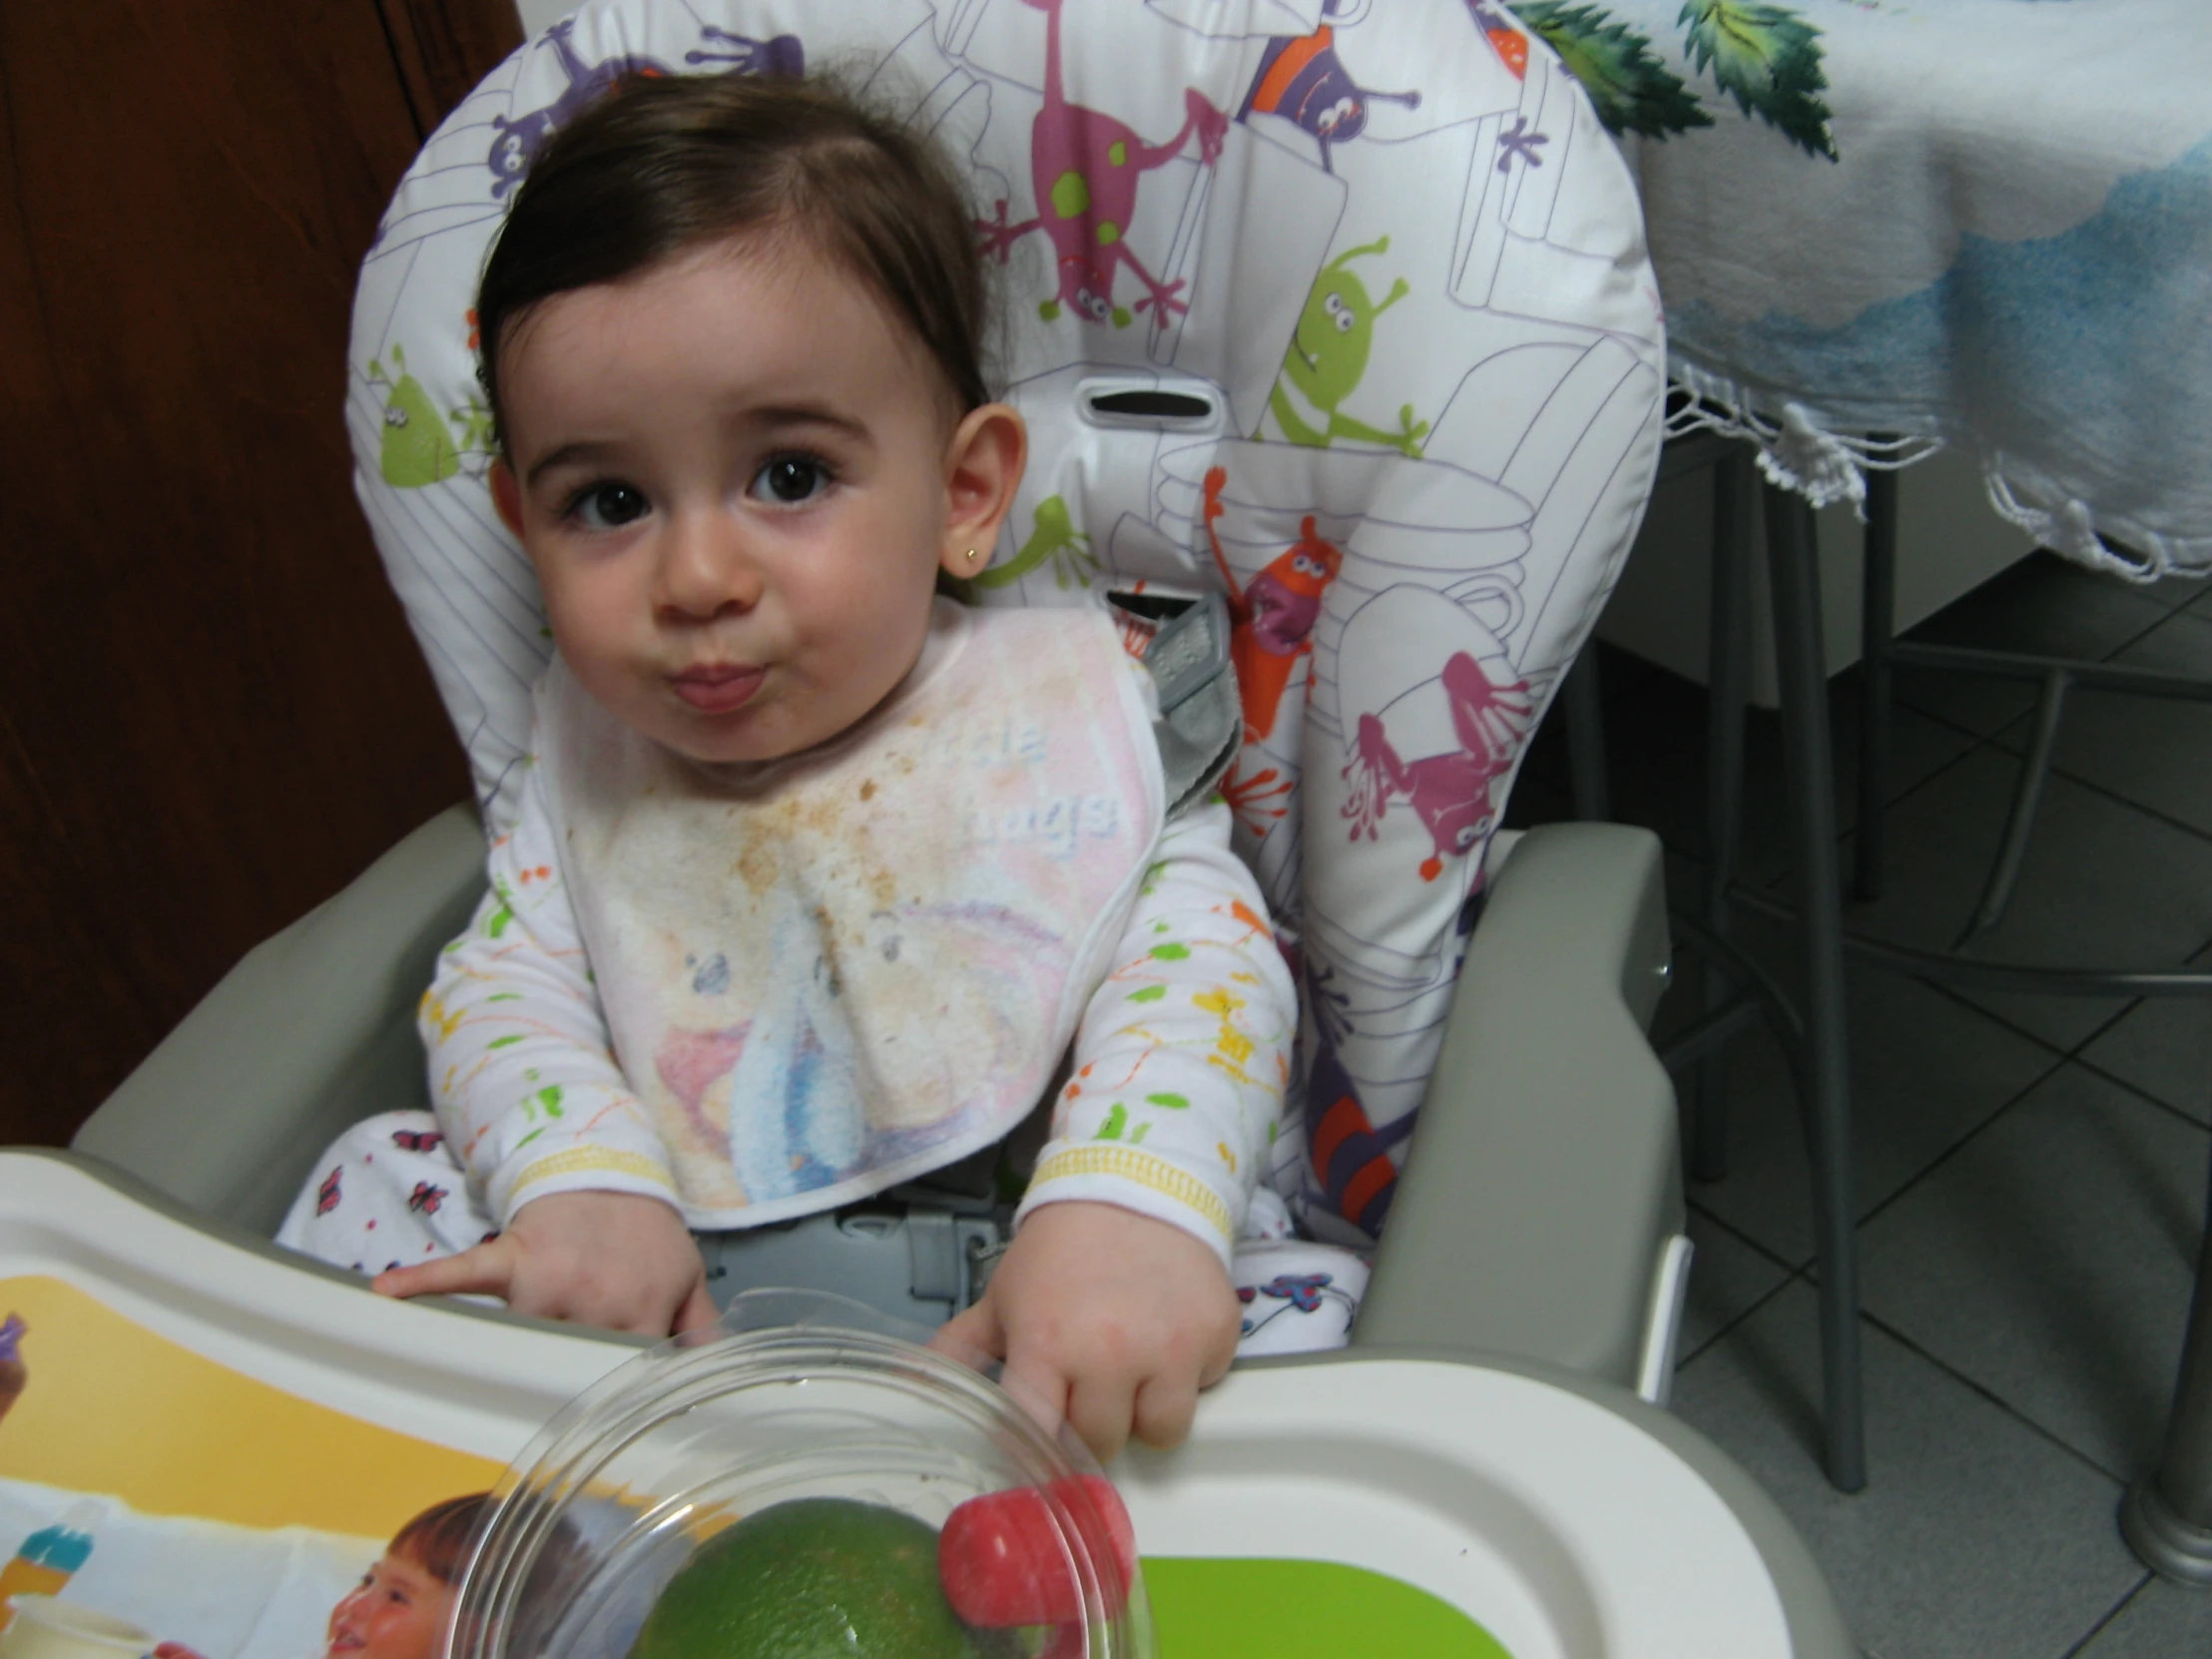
x,y
212,714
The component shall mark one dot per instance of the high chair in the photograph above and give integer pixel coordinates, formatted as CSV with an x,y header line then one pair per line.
x,y
1385,369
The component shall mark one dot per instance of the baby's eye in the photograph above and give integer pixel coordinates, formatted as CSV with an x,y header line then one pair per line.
x,y
790,479
608,506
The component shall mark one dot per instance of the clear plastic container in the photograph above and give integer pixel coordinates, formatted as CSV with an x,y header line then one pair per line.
x,y
801,1396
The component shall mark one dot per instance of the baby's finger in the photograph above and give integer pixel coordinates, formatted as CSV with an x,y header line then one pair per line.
x,y
1100,1410
972,1331
487,1269
696,1312
1164,1410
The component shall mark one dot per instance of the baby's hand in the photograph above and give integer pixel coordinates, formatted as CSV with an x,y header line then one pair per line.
x,y
617,1259
1116,1318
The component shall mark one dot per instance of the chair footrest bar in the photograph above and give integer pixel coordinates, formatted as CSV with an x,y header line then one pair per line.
x,y
1950,969
2016,665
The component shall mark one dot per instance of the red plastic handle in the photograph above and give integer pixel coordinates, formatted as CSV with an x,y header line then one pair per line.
x,y
1003,1561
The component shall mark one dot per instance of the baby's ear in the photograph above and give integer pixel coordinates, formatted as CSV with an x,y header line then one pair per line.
x,y
506,495
983,468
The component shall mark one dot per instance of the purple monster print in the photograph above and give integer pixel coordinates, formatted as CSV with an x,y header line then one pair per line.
x,y
1449,792
1303,81
783,56
1352,1160
1084,166
515,144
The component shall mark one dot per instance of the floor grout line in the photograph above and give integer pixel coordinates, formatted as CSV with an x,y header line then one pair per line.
x,y
2156,815
1952,994
1951,1151
1735,1322
1992,1397
2117,1608
2139,1091
2069,1052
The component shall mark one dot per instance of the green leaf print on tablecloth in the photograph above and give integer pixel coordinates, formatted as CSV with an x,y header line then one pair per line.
x,y
1633,91
1766,57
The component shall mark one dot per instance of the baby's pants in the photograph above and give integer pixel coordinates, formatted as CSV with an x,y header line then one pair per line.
x,y
387,1193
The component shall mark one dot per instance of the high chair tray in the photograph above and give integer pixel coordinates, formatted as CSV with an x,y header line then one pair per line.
x,y
257,1426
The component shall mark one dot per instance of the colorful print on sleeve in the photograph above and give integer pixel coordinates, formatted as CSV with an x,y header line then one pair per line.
x,y
521,1070
1184,1049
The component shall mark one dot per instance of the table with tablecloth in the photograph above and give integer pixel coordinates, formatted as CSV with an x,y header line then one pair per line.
x,y
1981,223
1883,227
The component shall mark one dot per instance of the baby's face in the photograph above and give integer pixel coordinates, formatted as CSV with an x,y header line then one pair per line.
x,y
733,481
398,1611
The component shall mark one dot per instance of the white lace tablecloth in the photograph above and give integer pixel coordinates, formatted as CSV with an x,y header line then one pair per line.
x,y
1981,223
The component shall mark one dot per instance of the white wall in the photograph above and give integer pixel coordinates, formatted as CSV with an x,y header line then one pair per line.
x,y
536,14
1948,540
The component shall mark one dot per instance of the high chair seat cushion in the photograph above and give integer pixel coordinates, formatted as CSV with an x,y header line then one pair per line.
x,y
1340,307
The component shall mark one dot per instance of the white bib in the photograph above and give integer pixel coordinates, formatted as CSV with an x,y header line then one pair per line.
x,y
833,972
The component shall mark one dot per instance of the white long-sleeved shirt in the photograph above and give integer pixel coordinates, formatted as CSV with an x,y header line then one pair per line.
x,y
759,992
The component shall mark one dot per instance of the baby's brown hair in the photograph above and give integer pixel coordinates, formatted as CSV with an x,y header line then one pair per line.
x,y
438,1540
664,165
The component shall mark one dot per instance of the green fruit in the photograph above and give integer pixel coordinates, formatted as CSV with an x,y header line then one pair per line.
x,y
813,1578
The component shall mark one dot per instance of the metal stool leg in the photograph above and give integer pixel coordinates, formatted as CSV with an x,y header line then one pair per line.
x,y
1877,684
2167,1519
1583,694
1727,679
1793,558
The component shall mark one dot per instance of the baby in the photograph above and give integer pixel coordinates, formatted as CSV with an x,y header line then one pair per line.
x,y
404,1601
821,882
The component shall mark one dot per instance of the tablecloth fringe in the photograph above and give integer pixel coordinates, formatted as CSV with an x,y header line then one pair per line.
x,y
2021,494
1798,451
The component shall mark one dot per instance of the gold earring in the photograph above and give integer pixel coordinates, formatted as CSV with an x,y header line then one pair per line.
x,y
974,555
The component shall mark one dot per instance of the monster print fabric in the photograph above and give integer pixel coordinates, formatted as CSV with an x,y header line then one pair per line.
x,y
1380,272
1981,223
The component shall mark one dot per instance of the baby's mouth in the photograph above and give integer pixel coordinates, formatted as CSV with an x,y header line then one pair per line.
x,y
719,689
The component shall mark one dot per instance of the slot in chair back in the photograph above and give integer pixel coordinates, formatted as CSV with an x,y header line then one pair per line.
x,y
1340,309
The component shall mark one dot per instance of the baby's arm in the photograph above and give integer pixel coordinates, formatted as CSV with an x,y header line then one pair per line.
x,y
540,1116
1114,1299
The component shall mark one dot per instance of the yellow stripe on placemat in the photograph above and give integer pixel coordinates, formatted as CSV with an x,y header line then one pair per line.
x,y
109,1406
1129,1164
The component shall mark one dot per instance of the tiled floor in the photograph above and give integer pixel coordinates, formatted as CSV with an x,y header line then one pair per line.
x,y
2031,1173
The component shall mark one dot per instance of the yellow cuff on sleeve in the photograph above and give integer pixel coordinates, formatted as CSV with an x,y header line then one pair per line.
x,y
581,1160
1127,1163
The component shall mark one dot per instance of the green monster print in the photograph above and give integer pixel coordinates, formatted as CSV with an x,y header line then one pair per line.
x,y
1052,535
417,451
1329,357
473,421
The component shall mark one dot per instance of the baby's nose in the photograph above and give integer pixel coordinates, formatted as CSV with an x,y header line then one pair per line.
x,y
707,568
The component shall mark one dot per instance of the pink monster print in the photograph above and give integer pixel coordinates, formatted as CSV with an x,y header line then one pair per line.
x,y
1084,167
1451,791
